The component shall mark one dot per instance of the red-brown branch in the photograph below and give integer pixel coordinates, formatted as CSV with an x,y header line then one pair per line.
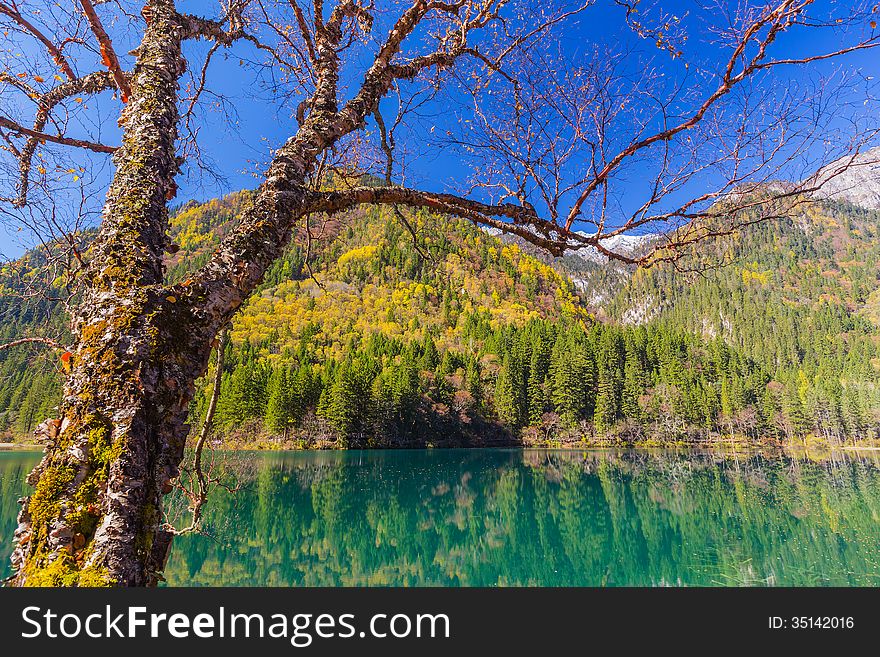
x,y
55,139
54,51
518,220
304,31
108,54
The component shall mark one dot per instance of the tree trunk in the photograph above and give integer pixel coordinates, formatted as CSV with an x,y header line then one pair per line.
x,y
95,515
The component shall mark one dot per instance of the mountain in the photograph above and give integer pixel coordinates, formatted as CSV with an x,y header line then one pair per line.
x,y
800,296
626,245
463,337
852,179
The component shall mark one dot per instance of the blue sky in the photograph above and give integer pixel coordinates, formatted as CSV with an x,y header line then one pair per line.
x,y
239,150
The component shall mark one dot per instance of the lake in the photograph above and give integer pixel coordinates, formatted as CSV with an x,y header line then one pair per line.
x,y
525,518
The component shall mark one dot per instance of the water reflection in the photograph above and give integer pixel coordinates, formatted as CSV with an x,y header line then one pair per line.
x,y
520,517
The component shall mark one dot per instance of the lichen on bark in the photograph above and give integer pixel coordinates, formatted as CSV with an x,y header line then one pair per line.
x,y
96,514
93,517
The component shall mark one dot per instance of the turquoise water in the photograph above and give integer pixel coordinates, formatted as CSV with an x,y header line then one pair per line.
x,y
525,517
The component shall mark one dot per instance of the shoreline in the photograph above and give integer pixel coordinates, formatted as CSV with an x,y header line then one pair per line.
x,y
815,448
735,444
729,444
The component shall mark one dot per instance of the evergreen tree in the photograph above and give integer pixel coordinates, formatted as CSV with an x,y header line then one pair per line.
x,y
794,416
536,395
278,405
609,381
430,356
506,405
474,383
345,404
632,389
572,380
852,413
28,413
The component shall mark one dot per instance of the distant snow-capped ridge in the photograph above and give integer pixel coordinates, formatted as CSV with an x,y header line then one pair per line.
x,y
623,244
856,181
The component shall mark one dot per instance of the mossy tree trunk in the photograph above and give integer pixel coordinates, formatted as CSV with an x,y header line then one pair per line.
x,y
95,517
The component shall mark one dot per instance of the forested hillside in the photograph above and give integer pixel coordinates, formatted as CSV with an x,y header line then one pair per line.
x,y
801,297
462,337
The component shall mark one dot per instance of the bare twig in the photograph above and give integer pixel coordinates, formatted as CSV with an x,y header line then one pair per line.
x,y
198,495
54,50
48,342
55,139
108,54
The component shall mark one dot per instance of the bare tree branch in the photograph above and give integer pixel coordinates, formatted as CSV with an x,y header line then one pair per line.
x,y
108,54
48,342
54,50
91,84
760,34
521,221
198,494
55,139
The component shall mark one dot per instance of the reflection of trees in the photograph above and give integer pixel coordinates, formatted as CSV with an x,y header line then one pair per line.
x,y
548,518
526,518
13,470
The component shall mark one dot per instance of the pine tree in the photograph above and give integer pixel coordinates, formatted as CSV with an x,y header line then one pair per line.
x,y
794,414
771,407
505,398
572,380
538,368
632,390
28,417
474,383
382,393
852,412
406,394
430,356
243,395
344,403
278,416
323,407
536,396
609,382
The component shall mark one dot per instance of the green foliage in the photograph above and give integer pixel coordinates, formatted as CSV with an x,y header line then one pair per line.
x,y
279,404
465,337
797,296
